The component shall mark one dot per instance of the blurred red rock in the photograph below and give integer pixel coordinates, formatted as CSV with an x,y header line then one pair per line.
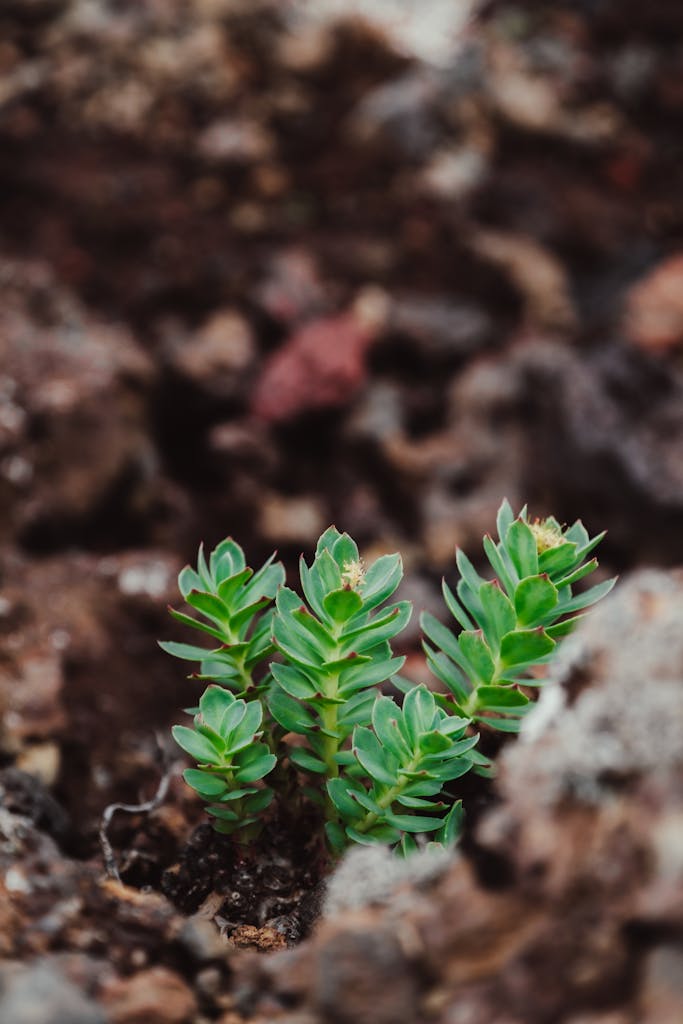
x,y
654,313
322,365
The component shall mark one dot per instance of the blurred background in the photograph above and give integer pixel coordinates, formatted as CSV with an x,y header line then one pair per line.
x,y
268,265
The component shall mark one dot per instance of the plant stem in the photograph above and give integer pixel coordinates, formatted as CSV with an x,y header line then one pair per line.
x,y
385,801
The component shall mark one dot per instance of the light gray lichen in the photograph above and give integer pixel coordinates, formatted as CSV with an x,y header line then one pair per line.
x,y
629,720
369,875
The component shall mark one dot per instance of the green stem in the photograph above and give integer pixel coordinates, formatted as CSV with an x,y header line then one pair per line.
x,y
387,799
328,716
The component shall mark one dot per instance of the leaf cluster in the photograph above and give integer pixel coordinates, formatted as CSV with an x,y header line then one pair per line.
x,y
335,648
296,678
400,765
230,598
509,626
225,741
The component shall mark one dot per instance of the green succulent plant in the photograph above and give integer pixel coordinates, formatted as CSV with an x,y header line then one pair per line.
x,y
297,687
399,765
233,601
335,649
225,741
510,625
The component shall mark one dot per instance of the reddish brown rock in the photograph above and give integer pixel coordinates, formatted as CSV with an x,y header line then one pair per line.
x,y
321,366
654,312
154,996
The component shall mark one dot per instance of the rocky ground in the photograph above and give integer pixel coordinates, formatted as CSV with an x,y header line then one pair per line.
x,y
262,269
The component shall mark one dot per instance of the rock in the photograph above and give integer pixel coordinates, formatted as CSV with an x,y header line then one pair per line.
x,y
291,520
594,429
368,876
154,996
362,978
202,939
402,112
654,307
76,431
216,357
440,327
662,996
40,994
537,273
322,366
234,142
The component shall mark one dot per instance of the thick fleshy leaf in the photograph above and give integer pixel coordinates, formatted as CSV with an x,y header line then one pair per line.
x,y
195,744
413,822
223,812
525,645
584,570
504,570
478,654
357,710
312,586
390,622
361,675
499,615
257,767
226,559
520,544
455,608
303,758
338,790
444,639
450,675
240,622
344,550
502,699
419,713
328,571
341,605
293,681
377,762
231,587
207,785
381,580
563,628
220,710
434,742
336,836
188,580
291,715
535,597
587,598
556,561
317,634
508,725
451,830
259,801
327,540
504,519
188,652
209,605
243,733
380,835
204,627
385,718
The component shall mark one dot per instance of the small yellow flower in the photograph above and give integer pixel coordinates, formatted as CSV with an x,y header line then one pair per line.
x,y
353,574
547,535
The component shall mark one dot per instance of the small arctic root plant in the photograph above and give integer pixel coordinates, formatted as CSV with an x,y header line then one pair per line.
x,y
295,679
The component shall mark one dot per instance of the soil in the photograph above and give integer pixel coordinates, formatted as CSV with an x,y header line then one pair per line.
x,y
264,268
